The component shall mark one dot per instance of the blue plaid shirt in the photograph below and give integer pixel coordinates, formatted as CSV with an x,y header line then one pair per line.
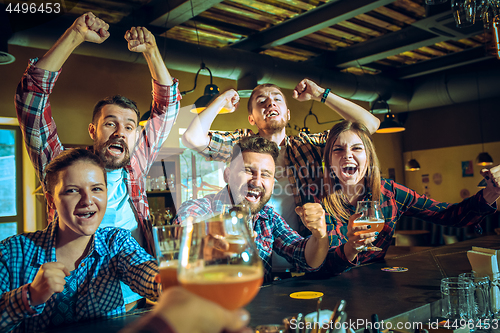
x,y
114,255
273,233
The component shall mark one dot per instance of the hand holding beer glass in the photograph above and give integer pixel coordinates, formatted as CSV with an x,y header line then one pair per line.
x,y
167,240
219,260
371,215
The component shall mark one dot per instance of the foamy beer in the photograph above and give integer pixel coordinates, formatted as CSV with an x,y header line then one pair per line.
x,y
218,260
167,239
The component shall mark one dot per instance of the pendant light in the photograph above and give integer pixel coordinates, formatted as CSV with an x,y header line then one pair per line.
x,y
389,124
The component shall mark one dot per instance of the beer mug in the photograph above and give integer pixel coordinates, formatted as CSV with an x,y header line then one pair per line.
x,y
457,299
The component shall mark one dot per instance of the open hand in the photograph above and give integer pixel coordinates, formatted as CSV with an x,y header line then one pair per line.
x,y
48,281
140,40
492,190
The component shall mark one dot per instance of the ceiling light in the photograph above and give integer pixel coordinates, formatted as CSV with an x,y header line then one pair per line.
x,y
211,92
305,129
390,125
484,159
412,165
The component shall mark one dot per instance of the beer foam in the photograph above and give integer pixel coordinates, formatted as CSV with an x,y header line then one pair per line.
x,y
223,274
235,239
370,221
168,264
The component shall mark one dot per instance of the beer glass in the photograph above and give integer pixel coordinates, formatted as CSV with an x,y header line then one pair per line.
x,y
167,241
371,215
242,211
215,267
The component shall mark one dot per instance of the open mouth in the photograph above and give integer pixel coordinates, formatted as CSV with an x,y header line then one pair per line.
x,y
271,114
86,215
349,170
116,148
253,195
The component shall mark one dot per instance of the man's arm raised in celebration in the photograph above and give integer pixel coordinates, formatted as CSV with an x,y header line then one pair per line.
x,y
142,40
196,136
307,90
86,28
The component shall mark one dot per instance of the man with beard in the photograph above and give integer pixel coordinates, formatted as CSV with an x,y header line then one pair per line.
x,y
250,179
299,167
127,152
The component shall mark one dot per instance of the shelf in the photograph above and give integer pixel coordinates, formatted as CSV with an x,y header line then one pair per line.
x,y
159,193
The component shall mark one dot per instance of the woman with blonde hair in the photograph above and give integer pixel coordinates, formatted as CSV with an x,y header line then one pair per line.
x,y
352,174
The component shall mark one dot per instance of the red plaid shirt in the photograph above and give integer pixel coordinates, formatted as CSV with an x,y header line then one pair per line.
x,y
43,144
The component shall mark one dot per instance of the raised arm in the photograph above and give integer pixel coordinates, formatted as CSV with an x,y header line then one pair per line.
x,y
142,40
196,135
307,90
86,28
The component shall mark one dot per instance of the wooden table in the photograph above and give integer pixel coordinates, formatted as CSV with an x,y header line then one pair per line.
x,y
367,289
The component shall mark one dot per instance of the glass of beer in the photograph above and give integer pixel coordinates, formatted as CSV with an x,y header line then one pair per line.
x,y
218,260
241,211
167,240
371,215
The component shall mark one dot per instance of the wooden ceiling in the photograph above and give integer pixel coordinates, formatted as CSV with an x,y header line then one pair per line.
x,y
398,39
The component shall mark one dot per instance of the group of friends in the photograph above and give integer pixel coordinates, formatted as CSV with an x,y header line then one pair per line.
x,y
96,256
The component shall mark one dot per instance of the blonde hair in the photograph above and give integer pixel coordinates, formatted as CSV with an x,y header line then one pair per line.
x,y
335,201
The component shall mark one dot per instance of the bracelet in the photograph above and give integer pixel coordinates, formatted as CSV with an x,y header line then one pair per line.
x,y
325,95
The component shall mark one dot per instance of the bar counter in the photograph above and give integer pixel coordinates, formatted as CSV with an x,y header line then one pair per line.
x,y
366,288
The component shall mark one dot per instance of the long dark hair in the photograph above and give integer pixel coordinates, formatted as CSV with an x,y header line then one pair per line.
x,y
336,201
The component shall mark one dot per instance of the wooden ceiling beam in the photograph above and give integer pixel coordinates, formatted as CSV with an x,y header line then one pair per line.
x,y
307,23
168,14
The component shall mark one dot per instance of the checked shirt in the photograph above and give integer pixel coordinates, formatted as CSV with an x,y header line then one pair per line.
x,y
397,200
303,157
43,144
91,291
272,231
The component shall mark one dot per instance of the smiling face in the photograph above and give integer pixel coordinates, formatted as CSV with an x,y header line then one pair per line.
x,y
268,109
80,198
114,134
349,159
251,179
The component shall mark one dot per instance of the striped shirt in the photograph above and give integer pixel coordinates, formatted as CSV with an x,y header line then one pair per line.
x,y
397,200
43,144
303,157
114,256
273,233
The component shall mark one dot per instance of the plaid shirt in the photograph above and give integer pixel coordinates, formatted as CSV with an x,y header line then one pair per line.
x,y
43,144
114,255
273,233
397,200
303,157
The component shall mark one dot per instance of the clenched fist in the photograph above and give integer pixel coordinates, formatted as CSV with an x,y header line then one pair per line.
x,y
313,217
48,281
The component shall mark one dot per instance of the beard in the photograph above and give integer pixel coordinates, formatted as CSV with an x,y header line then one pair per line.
x,y
277,125
255,207
112,162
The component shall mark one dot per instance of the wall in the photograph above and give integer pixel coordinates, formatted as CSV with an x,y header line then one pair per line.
x,y
448,162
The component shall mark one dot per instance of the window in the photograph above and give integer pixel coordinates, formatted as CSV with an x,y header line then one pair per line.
x,y
11,210
209,175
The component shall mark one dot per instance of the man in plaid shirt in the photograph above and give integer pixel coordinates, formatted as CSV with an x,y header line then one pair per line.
x,y
250,179
299,164
127,152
